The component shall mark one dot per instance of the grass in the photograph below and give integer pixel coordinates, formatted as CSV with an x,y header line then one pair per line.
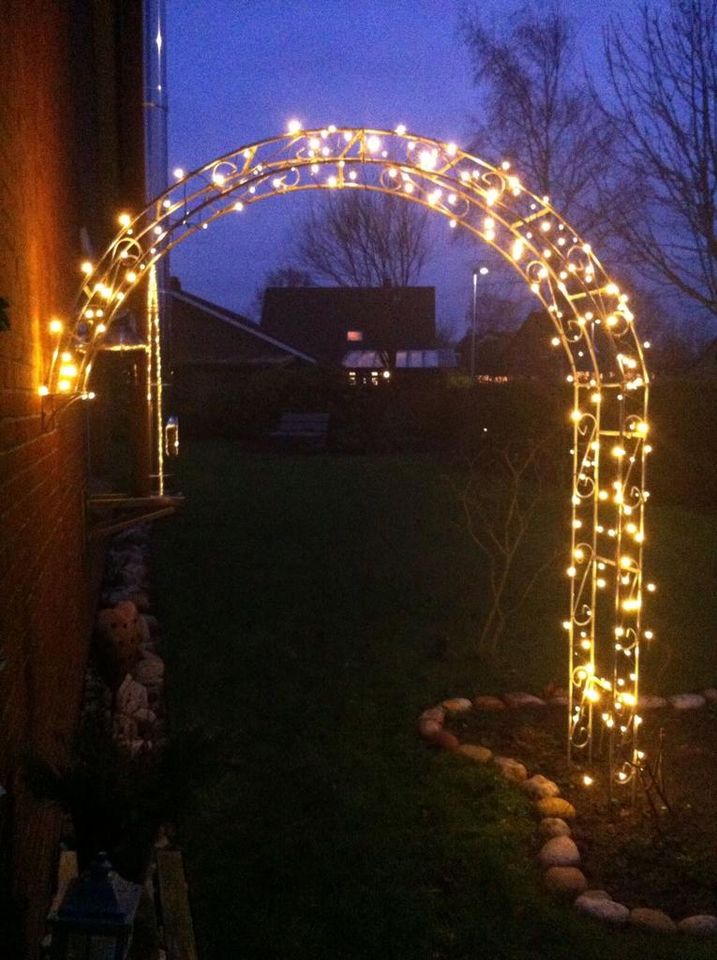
x,y
311,607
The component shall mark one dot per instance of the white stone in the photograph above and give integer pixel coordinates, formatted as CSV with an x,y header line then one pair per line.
x,y
559,852
649,919
517,700
149,670
488,703
457,705
602,908
701,925
131,696
553,827
435,714
429,729
687,701
475,752
566,882
650,702
511,769
539,786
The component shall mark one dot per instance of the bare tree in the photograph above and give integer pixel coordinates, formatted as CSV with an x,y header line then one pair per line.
x,y
363,239
504,488
664,108
286,276
538,111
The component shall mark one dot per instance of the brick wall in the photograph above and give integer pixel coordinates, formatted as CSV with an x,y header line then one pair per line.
x,y
56,177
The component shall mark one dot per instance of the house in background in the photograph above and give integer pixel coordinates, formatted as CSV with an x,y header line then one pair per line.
x,y
205,334
359,328
523,354
367,331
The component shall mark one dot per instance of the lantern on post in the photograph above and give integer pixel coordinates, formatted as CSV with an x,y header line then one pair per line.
x,y
96,916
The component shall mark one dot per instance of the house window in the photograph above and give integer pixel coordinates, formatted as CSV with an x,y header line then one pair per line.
x,y
354,336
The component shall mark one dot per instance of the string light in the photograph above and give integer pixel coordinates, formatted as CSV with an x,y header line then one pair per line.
x,y
608,411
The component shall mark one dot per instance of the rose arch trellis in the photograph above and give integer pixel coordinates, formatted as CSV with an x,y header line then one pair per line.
x,y
593,324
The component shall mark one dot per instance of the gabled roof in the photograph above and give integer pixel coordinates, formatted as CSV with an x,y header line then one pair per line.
x,y
317,319
205,331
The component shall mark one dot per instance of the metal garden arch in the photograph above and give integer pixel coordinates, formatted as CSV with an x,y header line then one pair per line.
x,y
593,325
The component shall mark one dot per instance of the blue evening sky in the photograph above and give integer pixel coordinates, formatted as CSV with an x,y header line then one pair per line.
x,y
238,70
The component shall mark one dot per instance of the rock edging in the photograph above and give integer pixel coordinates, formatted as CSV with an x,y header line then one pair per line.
x,y
559,856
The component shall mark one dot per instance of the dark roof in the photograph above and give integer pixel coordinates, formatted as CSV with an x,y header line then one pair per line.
x,y
204,332
523,353
318,319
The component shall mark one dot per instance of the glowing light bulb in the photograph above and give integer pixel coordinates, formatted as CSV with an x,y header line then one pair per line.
x,y
43,390
293,126
178,173
401,129
86,267
587,780
373,144
55,325
124,219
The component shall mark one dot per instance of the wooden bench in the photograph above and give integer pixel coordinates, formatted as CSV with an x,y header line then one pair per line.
x,y
309,429
176,917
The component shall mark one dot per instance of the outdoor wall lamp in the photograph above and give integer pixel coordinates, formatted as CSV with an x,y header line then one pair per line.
x,y
96,916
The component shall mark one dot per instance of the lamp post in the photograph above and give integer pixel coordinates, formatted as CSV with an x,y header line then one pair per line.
x,y
482,271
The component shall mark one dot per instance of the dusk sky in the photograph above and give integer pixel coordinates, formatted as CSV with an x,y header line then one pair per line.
x,y
238,70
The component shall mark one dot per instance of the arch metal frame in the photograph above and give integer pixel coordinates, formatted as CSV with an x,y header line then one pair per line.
x,y
593,325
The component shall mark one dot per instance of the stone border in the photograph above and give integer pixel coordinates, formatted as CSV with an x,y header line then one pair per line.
x,y
559,856
135,709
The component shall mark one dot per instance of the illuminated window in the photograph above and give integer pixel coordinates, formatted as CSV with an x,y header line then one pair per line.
x,y
354,335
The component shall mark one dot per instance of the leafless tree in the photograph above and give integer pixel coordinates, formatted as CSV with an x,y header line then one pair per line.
x,y
357,239
286,276
538,111
504,488
664,109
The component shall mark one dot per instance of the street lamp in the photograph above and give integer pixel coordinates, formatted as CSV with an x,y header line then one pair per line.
x,y
477,271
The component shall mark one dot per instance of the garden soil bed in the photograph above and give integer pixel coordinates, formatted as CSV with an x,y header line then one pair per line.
x,y
666,859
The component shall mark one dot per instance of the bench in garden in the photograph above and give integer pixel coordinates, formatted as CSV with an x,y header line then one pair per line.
x,y
303,428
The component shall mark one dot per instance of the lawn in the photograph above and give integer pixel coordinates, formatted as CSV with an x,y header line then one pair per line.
x,y
310,608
